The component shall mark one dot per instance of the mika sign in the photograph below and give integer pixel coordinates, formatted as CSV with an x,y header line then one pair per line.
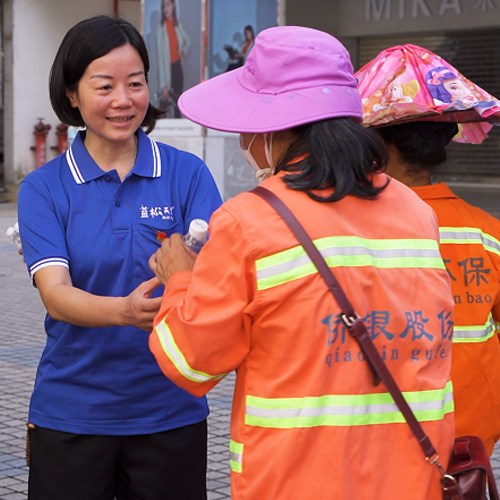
x,y
386,10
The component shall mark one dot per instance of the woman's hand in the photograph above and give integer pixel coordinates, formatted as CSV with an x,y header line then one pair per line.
x,y
173,256
142,309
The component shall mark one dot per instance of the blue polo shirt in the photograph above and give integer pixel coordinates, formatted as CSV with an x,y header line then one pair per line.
x,y
73,214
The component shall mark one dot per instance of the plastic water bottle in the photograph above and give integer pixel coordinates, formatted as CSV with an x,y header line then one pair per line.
x,y
196,236
13,234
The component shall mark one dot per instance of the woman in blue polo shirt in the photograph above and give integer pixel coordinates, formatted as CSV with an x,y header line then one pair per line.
x,y
104,421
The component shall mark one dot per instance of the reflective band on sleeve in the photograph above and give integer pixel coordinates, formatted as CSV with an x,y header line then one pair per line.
x,y
469,236
348,251
175,355
236,456
479,333
346,410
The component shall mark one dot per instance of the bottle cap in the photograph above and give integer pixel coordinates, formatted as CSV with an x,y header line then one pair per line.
x,y
198,229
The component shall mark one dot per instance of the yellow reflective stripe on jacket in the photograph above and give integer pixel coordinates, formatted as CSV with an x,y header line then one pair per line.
x,y
348,251
175,355
346,410
474,333
236,456
469,236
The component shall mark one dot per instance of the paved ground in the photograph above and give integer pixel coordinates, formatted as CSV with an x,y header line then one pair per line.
x,y
21,342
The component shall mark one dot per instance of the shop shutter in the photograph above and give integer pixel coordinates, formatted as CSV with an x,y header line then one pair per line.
x,y
476,54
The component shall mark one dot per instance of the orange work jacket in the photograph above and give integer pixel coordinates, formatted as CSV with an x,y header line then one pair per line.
x,y
307,422
470,248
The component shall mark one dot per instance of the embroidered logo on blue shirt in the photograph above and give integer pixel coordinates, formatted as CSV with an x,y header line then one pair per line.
x,y
166,213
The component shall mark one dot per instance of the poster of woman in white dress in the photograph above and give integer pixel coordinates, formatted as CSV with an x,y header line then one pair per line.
x,y
172,31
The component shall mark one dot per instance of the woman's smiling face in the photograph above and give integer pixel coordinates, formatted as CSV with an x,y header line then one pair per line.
x,y
112,95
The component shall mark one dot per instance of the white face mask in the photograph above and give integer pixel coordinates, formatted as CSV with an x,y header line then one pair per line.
x,y
260,173
268,150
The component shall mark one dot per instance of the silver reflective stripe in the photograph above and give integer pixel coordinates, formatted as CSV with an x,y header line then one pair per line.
x,y
348,251
338,410
468,235
236,456
471,334
346,410
175,355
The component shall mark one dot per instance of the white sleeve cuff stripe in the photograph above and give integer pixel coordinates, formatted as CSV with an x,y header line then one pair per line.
x,y
46,263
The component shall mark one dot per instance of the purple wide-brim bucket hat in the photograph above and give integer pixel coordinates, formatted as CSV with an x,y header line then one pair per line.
x,y
293,75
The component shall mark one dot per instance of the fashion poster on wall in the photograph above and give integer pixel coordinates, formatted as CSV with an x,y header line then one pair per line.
x,y
173,35
233,25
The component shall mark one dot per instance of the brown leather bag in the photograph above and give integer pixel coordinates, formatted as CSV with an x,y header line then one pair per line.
x,y
470,467
469,470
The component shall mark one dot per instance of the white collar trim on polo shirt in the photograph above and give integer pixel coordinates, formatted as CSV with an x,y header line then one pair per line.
x,y
78,176
156,159
75,171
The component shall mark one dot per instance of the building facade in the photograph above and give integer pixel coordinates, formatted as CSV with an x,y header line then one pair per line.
x,y
464,32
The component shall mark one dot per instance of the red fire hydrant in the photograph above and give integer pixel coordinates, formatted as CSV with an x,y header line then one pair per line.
x,y
41,131
62,139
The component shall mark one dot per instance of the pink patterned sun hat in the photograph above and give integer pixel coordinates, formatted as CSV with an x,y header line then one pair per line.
x,y
409,83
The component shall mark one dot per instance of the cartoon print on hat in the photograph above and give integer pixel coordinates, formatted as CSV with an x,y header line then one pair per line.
x,y
447,87
409,83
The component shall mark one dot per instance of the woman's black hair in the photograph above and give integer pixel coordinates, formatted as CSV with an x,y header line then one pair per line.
x,y
417,151
249,28
88,40
337,153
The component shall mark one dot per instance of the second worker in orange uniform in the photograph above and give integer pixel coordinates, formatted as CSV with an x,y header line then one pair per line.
x,y
469,237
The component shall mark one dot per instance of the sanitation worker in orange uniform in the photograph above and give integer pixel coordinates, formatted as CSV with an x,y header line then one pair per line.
x,y
416,135
308,422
